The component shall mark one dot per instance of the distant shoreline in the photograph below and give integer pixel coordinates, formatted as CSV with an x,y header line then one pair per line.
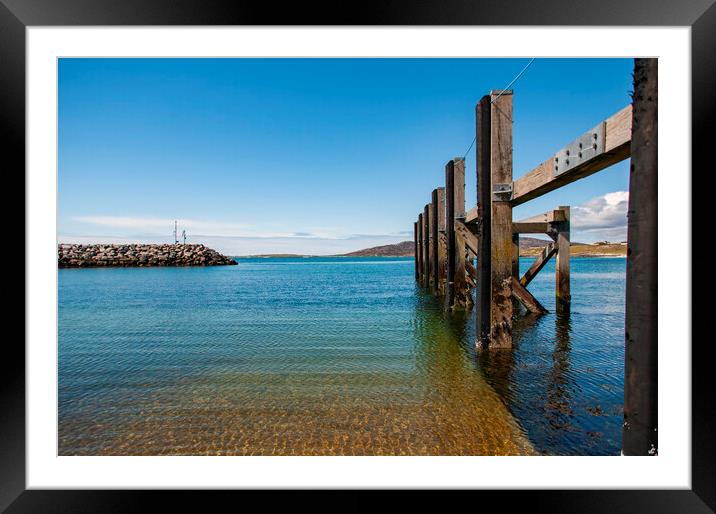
x,y
522,254
576,250
584,250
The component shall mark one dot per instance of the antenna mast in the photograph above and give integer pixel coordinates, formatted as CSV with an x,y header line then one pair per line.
x,y
175,232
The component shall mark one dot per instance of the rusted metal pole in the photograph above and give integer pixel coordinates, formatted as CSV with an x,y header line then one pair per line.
x,y
450,234
435,243
484,216
639,435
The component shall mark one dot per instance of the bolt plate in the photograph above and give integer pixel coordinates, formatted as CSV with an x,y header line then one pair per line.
x,y
587,146
502,192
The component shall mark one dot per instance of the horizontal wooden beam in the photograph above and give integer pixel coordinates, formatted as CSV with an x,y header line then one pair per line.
x,y
545,177
471,216
538,264
525,297
521,227
547,217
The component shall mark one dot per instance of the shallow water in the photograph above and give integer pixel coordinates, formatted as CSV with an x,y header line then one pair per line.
x,y
329,356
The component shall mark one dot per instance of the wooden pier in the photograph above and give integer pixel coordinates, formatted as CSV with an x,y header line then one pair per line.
x,y
449,239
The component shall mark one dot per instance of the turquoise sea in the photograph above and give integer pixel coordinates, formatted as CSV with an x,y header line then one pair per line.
x,y
330,356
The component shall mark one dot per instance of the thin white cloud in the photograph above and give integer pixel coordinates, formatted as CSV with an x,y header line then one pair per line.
x,y
162,226
228,238
601,218
233,245
121,226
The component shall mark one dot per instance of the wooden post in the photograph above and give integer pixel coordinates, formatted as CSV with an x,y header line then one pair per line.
x,y
516,255
431,244
434,207
461,287
459,186
419,253
640,435
484,216
415,253
442,243
501,168
450,234
562,265
516,272
426,247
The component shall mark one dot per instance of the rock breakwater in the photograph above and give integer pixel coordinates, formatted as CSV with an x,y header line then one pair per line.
x,y
131,255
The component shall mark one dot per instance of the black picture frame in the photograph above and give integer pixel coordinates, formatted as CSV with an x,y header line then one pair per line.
x,y
16,15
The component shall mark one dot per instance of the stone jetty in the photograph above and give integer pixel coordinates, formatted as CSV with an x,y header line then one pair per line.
x,y
142,255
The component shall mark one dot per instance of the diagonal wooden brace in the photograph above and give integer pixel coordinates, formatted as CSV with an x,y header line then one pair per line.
x,y
538,264
525,297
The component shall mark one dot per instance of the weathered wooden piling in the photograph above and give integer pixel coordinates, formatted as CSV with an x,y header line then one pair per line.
x,y
640,436
426,247
459,187
434,207
450,234
415,253
516,255
462,296
484,219
501,239
564,298
431,243
419,251
442,241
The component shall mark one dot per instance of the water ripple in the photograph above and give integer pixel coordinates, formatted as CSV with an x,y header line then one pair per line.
x,y
328,357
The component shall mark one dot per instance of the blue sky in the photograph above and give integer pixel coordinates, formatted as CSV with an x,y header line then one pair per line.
x,y
317,156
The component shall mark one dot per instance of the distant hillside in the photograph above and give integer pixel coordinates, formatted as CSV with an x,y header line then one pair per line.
x,y
406,248
585,250
533,242
403,249
529,246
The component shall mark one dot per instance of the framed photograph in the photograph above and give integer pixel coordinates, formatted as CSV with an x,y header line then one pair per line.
x,y
412,248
